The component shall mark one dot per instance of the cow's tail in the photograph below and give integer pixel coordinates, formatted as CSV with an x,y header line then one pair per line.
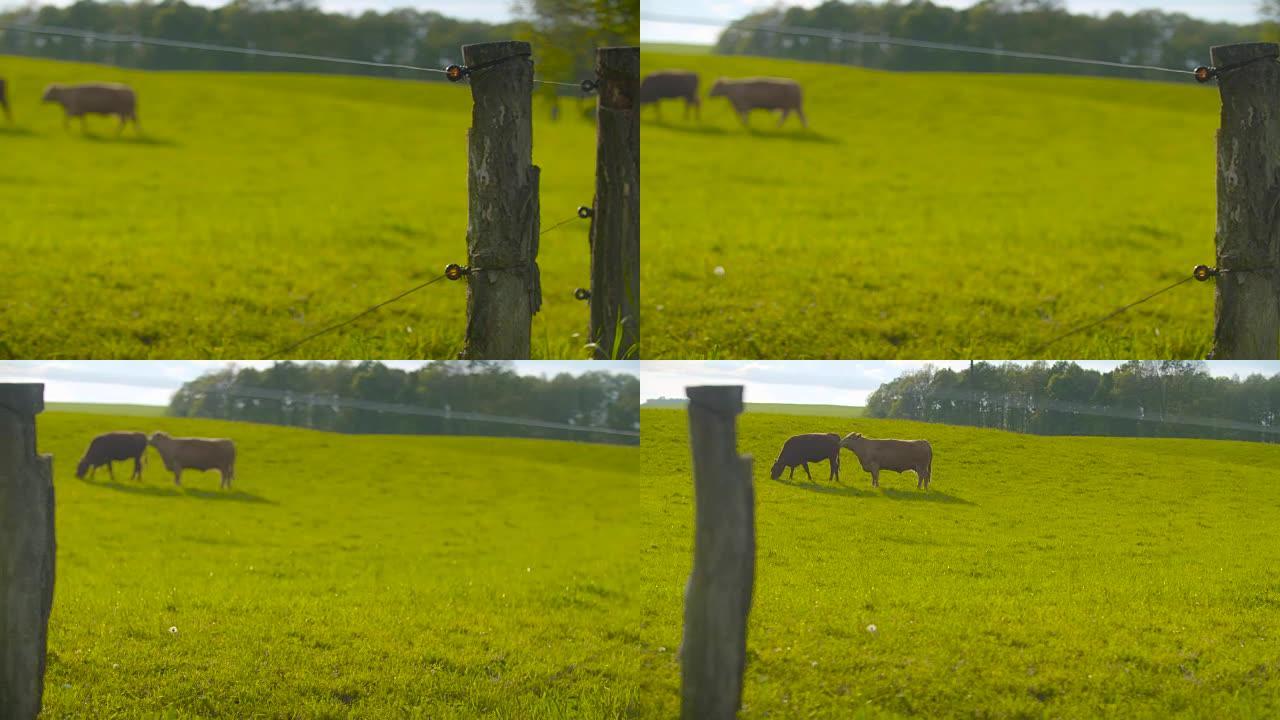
x,y
928,465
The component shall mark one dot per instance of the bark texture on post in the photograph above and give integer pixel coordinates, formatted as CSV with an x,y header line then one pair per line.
x,y
1247,304
615,225
504,290
26,552
718,596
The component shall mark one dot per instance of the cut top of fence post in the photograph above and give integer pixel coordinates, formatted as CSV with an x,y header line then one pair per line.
x,y
23,401
1222,55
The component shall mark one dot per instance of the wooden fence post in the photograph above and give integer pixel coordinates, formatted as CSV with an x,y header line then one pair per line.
x,y
504,289
1247,304
615,224
26,552
718,596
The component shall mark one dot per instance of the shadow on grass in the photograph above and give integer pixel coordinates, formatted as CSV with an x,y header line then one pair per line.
x,y
141,140
818,487
136,488
689,128
16,131
887,493
803,136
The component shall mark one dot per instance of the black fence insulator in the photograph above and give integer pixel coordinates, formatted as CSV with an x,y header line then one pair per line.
x,y
585,212
1204,272
589,86
454,271
582,294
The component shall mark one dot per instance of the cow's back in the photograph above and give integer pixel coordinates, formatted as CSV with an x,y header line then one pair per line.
x,y
105,98
119,445
668,84
900,455
206,453
769,93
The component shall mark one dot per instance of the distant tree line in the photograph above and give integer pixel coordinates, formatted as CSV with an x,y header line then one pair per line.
x,y
404,36
1148,37
318,395
1139,399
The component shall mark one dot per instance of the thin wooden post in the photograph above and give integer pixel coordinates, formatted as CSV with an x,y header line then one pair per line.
x,y
615,224
504,289
1247,304
26,552
718,596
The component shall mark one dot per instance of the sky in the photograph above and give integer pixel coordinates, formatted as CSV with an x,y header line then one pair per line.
x,y
153,382
1239,11
835,382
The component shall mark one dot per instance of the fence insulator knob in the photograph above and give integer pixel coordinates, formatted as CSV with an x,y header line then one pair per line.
x,y
585,212
1203,272
582,294
453,271
589,86
455,73
1204,74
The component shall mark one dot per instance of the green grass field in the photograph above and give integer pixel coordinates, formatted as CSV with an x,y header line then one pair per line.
x,y
258,208
1039,577
675,48
108,409
346,576
928,215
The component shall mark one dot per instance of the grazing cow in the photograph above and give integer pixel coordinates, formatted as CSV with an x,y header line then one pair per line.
x,y
804,449
762,93
95,99
675,84
896,455
4,102
113,447
196,454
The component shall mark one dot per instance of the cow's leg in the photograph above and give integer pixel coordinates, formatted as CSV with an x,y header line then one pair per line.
x,y
875,476
803,123
783,117
792,476
137,469
806,471
177,476
111,470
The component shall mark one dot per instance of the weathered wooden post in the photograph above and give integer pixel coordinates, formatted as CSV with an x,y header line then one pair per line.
x,y
1247,302
718,596
615,224
26,552
504,289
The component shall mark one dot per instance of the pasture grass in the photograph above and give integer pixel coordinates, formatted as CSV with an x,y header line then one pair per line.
x,y
346,576
928,216
1066,577
256,209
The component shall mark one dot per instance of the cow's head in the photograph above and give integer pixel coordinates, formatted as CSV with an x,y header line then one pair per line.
x,y
717,88
157,436
850,440
778,467
82,468
52,93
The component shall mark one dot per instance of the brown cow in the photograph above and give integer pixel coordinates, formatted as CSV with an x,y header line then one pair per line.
x,y
804,449
113,447
4,102
750,94
671,84
196,454
95,99
896,455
